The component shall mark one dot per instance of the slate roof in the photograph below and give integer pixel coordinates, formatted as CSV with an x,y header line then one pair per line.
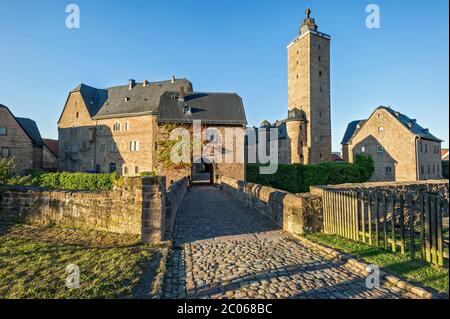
x,y
412,125
121,101
409,123
52,145
32,130
210,108
351,130
280,125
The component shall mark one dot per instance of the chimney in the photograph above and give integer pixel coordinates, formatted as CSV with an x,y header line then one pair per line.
x,y
131,84
181,96
173,78
145,83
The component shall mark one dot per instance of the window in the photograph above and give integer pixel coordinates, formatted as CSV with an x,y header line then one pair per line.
x,y
363,149
426,148
78,114
127,126
380,149
100,128
320,47
388,169
381,129
136,170
320,73
322,140
134,146
5,153
297,76
319,58
422,170
113,148
74,148
320,114
103,147
2,130
116,127
421,147
125,170
112,167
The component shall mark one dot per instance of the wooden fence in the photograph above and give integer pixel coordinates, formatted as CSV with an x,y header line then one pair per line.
x,y
410,223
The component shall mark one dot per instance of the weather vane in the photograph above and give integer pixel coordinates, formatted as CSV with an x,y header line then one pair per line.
x,y
308,13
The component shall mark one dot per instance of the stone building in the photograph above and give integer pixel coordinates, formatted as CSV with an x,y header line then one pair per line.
x,y
50,155
305,136
21,140
120,129
401,149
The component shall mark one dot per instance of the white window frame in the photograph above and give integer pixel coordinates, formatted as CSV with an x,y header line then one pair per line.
x,y
127,126
134,146
116,127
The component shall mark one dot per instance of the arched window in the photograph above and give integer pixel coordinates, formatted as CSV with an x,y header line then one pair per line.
x,y
112,167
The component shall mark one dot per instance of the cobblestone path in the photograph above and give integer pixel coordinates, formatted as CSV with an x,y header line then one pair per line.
x,y
226,250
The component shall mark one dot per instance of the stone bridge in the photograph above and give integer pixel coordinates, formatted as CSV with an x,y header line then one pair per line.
x,y
223,249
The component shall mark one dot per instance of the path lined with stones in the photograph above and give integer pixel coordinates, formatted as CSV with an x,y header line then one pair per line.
x,y
226,250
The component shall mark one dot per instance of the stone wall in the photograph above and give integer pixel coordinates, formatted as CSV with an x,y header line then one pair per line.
x,y
174,199
439,186
137,207
296,213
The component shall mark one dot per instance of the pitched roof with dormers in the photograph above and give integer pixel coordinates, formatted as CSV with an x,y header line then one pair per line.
x,y
411,124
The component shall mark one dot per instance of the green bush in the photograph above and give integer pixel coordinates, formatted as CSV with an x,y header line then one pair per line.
x,y
298,178
75,181
445,169
6,165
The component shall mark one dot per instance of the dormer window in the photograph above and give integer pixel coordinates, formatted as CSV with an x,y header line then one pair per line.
x,y
126,99
187,110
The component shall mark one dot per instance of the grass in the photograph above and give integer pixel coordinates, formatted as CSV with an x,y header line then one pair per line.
x,y
33,263
395,263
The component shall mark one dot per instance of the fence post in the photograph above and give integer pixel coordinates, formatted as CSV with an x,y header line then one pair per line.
x,y
394,240
402,224
412,236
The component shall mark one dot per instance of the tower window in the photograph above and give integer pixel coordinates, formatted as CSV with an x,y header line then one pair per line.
x,y
319,58
136,170
388,169
381,129
320,73
78,115
297,76
297,62
320,88
320,47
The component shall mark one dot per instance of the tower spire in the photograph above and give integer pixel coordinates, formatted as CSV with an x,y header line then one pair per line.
x,y
308,23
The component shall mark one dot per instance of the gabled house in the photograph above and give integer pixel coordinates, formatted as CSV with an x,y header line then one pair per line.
x,y
21,140
401,148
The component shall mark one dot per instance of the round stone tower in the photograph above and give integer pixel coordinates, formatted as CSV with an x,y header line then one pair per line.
x,y
296,126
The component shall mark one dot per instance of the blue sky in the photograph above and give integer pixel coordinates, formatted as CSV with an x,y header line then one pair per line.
x,y
233,45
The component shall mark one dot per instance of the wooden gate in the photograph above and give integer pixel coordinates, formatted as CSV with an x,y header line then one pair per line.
x,y
410,223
